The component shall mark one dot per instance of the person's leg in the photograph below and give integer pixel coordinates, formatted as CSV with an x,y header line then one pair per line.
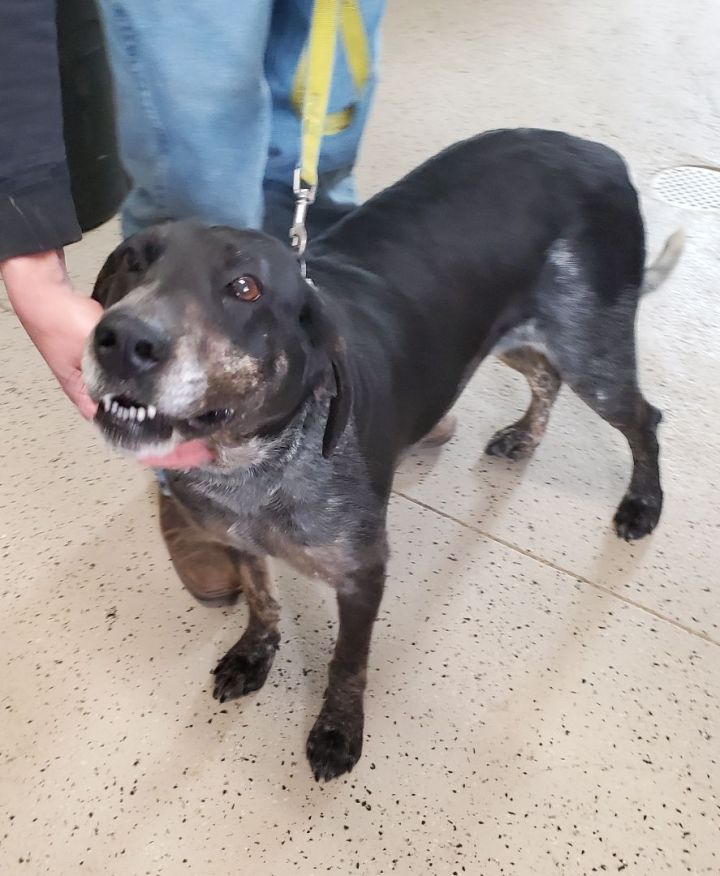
x,y
193,117
194,108
336,191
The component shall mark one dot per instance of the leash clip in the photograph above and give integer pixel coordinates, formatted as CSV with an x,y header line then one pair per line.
x,y
304,197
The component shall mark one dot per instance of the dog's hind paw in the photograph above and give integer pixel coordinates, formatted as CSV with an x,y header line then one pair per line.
x,y
512,442
334,744
637,516
243,669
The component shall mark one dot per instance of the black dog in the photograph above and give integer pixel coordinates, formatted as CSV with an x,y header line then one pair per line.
x,y
526,243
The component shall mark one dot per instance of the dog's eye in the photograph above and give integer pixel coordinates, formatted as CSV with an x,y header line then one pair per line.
x,y
246,288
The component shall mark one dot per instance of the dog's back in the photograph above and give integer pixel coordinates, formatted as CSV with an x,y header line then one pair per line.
x,y
433,271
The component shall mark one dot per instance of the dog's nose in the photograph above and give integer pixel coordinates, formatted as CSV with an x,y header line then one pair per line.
x,y
127,347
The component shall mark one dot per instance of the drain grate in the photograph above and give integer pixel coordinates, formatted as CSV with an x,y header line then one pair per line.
x,y
690,186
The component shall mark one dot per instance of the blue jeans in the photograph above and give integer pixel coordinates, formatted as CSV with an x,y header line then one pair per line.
x,y
205,124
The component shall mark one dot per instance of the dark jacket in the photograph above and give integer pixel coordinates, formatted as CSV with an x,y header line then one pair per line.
x,y
52,186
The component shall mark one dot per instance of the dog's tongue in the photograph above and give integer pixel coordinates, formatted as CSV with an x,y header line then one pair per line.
x,y
189,454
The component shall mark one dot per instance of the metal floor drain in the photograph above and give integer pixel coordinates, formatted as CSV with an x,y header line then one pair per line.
x,y
690,186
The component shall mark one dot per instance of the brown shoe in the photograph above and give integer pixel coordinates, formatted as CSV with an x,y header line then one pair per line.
x,y
205,567
441,432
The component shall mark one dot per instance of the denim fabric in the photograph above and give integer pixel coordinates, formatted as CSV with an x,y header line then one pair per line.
x,y
205,125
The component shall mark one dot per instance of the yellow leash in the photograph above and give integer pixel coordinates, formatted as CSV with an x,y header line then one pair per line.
x,y
357,53
311,94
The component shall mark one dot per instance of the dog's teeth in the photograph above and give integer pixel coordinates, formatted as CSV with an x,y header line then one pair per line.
x,y
132,413
140,414
151,411
106,402
124,413
114,407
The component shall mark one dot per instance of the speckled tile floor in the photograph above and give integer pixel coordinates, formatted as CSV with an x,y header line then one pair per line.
x,y
542,698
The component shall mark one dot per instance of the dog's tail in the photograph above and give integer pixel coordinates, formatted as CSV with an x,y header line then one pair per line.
x,y
664,264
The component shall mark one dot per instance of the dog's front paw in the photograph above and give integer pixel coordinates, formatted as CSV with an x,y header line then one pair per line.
x,y
244,668
637,516
512,442
335,743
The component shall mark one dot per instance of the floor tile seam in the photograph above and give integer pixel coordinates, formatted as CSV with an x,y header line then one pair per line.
x,y
663,618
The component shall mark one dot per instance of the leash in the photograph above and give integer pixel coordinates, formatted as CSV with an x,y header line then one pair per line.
x,y
311,94
357,54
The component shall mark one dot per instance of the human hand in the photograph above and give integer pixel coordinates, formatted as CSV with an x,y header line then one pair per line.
x,y
59,320
56,317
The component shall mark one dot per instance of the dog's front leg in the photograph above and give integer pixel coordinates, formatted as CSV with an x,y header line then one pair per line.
x,y
246,665
335,741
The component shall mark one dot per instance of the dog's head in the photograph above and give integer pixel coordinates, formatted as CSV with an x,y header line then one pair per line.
x,y
209,333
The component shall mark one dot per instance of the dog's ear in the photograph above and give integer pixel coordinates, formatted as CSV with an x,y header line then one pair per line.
x,y
125,266
328,345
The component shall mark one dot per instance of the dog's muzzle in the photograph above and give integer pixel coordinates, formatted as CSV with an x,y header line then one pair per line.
x,y
122,365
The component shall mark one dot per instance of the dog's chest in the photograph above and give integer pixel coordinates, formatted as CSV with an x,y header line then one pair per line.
x,y
308,522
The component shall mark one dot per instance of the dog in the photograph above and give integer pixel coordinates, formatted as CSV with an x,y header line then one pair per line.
x,y
526,243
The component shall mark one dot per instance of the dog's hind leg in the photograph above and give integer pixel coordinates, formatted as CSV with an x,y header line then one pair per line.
x,y
639,512
624,407
519,440
246,665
